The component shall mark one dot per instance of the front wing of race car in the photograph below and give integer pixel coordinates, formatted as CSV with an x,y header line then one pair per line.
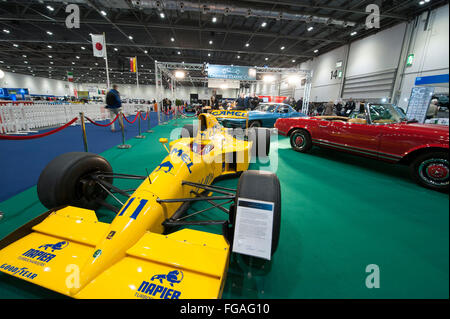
x,y
184,264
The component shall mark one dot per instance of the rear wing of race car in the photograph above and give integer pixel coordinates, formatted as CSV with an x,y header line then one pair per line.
x,y
231,114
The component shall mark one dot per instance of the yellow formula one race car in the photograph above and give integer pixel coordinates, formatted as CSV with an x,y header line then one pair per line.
x,y
139,255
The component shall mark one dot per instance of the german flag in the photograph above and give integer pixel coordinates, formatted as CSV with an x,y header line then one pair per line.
x,y
133,65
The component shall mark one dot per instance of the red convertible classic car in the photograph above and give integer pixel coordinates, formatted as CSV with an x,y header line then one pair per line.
x,y
379,131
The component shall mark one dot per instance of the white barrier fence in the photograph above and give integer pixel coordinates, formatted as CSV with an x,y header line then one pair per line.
x,y
22,118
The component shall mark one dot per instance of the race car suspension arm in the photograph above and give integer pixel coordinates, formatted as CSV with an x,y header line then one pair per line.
x,y
193,199
123,176
215,205
217,189
108,186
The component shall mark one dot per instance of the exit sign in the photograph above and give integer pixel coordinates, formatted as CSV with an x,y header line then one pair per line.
x,y
409,60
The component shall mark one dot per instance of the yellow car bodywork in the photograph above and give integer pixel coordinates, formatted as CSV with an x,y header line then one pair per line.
x,y
69,251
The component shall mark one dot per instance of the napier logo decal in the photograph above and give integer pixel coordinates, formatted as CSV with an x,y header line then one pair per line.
x,y
57,246
173,277
151,290
40,257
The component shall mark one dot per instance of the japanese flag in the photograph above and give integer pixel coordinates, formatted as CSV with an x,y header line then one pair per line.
x,y
98,44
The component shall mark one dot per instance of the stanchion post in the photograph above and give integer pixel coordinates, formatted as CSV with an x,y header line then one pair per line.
x,y
123,145
83,131
148,121
140,134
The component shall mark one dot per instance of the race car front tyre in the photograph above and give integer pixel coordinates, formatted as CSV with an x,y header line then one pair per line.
x,y
301,141
261,141
262,186
188,131
431,170
65,181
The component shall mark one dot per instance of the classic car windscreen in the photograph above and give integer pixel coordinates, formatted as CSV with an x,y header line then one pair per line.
x,y
385,114
266,107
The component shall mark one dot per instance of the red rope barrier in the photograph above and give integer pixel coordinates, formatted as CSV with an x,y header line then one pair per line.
x,y
144,118
169,112
103,125
135,118
29,137
184,113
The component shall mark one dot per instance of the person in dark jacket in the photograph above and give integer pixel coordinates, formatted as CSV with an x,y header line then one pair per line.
x,y
254,101
114,105
349,107
240,104
214,103
299,105
247,102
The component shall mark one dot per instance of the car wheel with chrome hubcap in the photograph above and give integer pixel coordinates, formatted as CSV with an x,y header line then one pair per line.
x,y
432,170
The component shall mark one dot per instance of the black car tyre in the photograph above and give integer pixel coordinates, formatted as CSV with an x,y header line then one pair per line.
x,y
254,124
263,186
65,181
301,141
431,170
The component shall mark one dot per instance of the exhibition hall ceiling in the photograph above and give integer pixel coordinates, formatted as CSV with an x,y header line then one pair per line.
x,y
35,40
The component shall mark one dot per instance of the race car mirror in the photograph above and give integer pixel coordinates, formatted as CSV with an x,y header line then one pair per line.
x,y
163,141
253,228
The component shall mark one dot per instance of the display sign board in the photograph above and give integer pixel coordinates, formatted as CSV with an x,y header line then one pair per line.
x,y
242,73
223,84
253,228
418,103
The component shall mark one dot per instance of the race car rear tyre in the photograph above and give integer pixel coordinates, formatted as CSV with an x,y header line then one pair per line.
x,y
188,131
262,186
64,181
261,141
301,141
431,170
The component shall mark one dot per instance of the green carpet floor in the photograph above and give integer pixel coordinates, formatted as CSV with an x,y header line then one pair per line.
x,y
340,213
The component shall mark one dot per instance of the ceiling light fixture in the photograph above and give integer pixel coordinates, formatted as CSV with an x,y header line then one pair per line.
x,y
282,48
210,42
6,31
247,44
214,19
353,33
50,8
162,15
310,29
103,13
172,39
49,33
263,25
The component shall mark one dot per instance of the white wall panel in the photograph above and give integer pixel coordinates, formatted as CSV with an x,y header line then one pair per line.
x,y
376,53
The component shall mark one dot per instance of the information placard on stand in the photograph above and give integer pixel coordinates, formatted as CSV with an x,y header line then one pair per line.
x,y
253,228
419,103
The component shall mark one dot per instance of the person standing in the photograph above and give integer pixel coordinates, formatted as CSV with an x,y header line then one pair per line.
x,y
214,102
329,109
349,107
432,109
299,105
240,104
114,104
